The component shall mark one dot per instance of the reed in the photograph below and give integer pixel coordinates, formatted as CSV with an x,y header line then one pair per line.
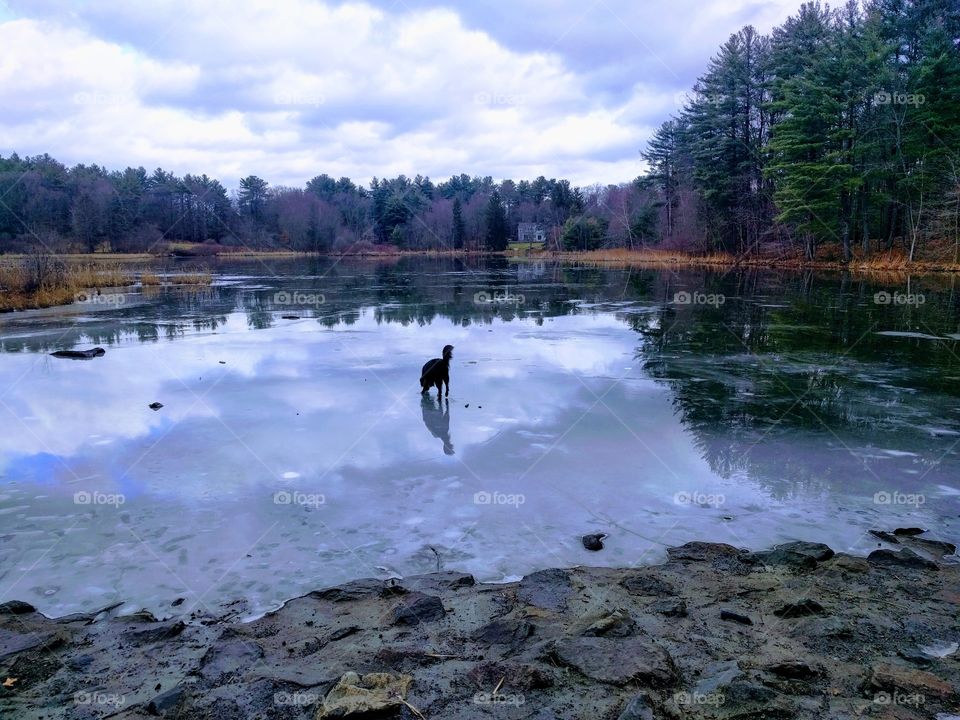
x,y
38,281
195,278
153,280
888,262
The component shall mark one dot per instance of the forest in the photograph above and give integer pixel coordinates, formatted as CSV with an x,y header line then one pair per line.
x,y
88,209
838,133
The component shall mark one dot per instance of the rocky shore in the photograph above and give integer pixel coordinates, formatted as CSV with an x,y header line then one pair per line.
x,y
715,632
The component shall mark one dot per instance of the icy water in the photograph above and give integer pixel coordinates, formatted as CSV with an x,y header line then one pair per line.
x,y
293,454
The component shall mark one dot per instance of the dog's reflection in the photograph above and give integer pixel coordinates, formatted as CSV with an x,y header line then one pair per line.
x,y
436,416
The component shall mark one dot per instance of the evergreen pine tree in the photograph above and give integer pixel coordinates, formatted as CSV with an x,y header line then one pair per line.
x,y
497,230
459,229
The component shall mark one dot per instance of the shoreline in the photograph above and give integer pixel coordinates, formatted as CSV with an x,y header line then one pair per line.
x,y
879,263
892,268
715,632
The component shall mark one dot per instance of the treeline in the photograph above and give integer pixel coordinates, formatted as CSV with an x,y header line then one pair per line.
x,y
840,129
44,204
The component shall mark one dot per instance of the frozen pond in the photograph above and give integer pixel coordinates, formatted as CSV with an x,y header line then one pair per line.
x,y
292,454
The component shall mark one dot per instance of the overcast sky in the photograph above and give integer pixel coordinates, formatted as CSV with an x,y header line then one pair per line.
x,y
288,89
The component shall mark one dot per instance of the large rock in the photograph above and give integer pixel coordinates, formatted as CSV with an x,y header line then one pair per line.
x,y
12,643
169,703
887,676
818,551
359,590
416,608
514,676
439,582
906,558
16,607
504,632
405,658
617,661
909,531
722,557
228,658
546,589
937,548
357,696
159,632
646,584
785,558
703,552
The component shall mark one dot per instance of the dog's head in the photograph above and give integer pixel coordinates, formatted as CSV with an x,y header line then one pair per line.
x,y
447,352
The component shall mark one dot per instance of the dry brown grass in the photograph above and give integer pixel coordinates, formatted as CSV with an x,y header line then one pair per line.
x,y
888,262
151,279
98,276
43,297
899,262
97,257
195,278
44,281
625,256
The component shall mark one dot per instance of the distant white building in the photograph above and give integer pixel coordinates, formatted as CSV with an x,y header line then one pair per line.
x,y
531,233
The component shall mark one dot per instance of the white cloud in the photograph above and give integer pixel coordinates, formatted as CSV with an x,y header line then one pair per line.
x,y
289,91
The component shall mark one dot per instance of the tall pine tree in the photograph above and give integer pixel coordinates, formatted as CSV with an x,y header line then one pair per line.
x,y
459,229
497,229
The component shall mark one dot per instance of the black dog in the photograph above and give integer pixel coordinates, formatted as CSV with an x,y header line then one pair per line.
x,y
437,372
